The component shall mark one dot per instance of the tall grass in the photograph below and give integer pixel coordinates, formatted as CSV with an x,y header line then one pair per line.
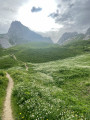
x,y
3,86
53,91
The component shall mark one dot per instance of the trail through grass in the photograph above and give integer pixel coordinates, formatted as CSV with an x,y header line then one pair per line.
x,y
55,90
7,111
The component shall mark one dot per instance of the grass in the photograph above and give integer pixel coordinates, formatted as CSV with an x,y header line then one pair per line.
x,y
57,90
52,53
39,52
3,86
7,62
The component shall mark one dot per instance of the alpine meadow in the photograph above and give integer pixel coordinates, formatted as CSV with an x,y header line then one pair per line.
x,y
45,60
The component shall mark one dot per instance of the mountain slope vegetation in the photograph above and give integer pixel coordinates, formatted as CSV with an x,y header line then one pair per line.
x,y
41,52
7,62
56,85
54,90
3,86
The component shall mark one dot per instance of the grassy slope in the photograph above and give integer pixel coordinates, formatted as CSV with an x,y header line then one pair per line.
x,y
39,52
53,90
54,52
62,85
3,86
23,47
7,62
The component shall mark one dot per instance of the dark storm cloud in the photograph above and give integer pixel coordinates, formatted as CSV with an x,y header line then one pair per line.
x,y
8,12
35,9
73,14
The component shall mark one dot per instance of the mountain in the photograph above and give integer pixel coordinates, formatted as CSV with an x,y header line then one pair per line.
x,y
87,35
67,36
4,43
18,34
72,36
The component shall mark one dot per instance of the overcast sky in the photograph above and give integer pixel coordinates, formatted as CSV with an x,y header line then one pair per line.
x,y
52,17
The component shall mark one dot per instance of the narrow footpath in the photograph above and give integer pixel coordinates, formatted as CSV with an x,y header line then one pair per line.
x,y
7,111
26,66
14,57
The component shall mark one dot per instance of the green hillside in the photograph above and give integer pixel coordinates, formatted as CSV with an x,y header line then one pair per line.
x,y
7,62
3,86
57,90
39,52
52,53
56,85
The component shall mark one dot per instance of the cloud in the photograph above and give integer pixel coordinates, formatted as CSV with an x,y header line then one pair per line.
x,y
8,12
35,9
54,15
73,14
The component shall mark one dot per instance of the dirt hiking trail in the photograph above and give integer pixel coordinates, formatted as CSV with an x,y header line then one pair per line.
x,y
26,66
14,57
7,111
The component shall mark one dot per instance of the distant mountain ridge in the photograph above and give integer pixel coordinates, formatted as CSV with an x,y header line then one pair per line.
x,y
19,34
69,36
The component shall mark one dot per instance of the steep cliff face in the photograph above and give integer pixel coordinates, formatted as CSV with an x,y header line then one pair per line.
x,y
19,34
4,43
67,36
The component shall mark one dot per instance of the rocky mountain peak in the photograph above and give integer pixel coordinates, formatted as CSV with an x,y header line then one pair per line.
x,y
66,36
18,34
16,26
